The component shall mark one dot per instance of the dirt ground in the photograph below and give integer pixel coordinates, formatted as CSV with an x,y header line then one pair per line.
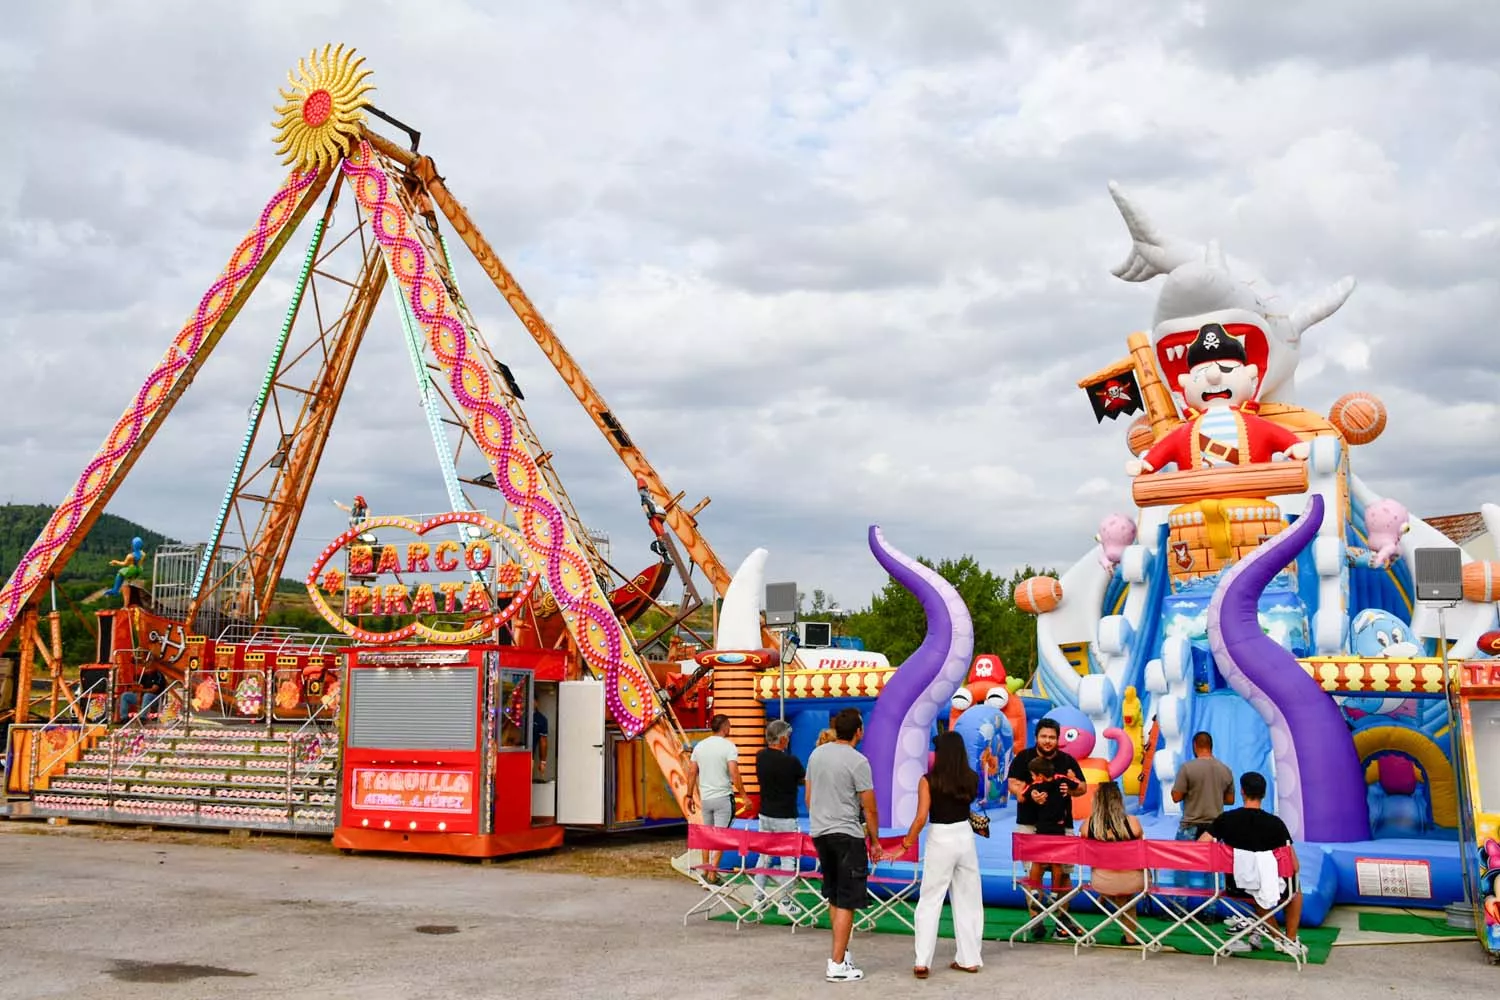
x,y
109,912
645,854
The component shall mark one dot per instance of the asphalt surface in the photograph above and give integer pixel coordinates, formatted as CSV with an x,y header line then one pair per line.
x,y
87,917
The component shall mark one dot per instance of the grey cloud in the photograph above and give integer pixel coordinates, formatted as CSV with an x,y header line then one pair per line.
x,y
1079,167
1344,33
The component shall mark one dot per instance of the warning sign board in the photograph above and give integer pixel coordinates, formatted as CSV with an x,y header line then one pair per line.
x,y
1399,877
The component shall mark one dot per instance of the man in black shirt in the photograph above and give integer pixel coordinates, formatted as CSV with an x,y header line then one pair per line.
x,y
1042,806
1253,829
780,775
152,684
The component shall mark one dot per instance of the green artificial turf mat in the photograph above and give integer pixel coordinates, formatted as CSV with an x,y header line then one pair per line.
x,y
1409,923
1000,923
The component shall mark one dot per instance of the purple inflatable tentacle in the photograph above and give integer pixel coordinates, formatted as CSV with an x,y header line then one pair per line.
x,y
898,731
1320,788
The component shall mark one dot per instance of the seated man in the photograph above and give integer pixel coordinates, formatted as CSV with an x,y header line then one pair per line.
x,y
1252,829
152,684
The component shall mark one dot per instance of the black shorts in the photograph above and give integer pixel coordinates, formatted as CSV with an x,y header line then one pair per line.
x,y
1288,887
845,866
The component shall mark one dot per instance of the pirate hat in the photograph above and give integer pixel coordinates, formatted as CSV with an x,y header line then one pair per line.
x,y
1214,344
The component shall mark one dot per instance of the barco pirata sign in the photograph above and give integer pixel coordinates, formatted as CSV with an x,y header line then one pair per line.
x,y
424,578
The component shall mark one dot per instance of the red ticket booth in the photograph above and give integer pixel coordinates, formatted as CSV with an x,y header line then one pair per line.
x,y
439,751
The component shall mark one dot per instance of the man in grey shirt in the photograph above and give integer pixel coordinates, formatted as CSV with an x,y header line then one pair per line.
x,y
1204,786
842,820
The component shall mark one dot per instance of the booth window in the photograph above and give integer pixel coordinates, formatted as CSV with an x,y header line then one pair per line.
x,y
1485,716
515,710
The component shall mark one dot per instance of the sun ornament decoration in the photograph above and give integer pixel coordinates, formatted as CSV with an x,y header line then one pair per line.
x,y
324,110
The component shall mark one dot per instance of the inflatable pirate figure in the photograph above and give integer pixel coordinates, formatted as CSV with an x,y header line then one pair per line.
x,y
1222,428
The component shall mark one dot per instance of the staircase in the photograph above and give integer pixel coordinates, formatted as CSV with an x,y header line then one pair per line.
x,y
215,779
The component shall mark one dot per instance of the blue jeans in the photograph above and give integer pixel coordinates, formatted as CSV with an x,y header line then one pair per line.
x,y
776,824
1193,880
132,699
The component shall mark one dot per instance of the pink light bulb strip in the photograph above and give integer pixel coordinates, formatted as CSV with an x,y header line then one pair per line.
x,y
122,441
628,690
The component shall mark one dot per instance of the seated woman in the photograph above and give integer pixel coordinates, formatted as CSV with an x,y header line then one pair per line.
x,y
1109,822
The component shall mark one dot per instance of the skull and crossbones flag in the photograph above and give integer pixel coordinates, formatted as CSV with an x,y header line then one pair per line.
x,y
1115,395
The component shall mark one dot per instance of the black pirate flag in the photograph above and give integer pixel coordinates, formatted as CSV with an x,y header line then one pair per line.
x,y
1115,395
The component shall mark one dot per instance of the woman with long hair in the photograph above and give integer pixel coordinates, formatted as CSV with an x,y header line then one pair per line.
x,y
1109,822
951,863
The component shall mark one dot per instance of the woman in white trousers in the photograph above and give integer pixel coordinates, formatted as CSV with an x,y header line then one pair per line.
x,y
950,862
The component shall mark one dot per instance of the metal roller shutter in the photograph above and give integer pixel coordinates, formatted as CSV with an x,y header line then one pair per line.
x,y
414,708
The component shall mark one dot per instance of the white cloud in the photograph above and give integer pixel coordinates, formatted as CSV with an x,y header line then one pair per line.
x,y
831,265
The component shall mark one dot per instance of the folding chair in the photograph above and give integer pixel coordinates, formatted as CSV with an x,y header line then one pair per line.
x,y
1183,906
808,893
897,880
1244,924
1129,855
730,879
782,884
1043,849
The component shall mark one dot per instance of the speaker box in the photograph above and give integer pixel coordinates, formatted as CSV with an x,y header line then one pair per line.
x,y
1439,575
781,603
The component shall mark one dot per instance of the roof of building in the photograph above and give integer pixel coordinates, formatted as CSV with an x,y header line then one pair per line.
x,y
1460,528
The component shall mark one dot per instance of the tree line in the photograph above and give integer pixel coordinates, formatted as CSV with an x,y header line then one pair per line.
x,y
893,623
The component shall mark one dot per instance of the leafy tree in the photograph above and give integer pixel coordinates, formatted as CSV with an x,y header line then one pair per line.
x,y
895,625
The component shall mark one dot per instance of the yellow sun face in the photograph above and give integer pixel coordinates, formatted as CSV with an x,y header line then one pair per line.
x,y
324,110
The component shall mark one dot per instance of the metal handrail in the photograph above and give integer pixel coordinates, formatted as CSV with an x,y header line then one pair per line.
x,y
294,766
81,728
139,723
282,637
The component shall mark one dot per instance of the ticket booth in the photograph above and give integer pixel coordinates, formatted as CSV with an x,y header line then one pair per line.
x,y
1477,710
440,751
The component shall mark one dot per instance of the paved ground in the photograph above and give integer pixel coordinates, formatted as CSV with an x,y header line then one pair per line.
x,y
164,917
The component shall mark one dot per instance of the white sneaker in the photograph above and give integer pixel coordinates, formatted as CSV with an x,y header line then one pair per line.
x,y
843,972
1237,947
1237,923
1295,948
792,912
1256,941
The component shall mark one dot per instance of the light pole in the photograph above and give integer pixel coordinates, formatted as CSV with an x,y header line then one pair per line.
x,y
1438,575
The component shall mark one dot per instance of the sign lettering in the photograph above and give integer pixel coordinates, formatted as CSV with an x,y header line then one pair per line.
x,y
405,790
1481,673
482,605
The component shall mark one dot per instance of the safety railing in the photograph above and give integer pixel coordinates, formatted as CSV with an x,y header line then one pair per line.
x,y
305,749
132,741
40,761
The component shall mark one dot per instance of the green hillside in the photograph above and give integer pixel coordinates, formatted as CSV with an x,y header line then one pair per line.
x,y
20,524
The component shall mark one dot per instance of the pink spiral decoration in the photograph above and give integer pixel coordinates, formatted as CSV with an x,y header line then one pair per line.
x,y
629,693
122,442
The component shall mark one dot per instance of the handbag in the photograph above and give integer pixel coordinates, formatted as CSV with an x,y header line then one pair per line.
x,y
979,822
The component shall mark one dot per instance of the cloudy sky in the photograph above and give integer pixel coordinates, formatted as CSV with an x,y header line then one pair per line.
x,y
832,263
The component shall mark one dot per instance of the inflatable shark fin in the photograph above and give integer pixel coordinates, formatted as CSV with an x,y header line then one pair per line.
x,y
1152,253
1320,306
1213,256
